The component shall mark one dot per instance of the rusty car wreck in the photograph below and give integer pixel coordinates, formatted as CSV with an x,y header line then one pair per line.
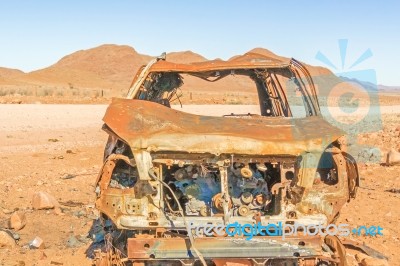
x,y
167,171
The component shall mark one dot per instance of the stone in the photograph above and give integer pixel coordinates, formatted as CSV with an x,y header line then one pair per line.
x,y
6,241
393,157
36,243
42,201
374,262
16,236
17,221
366,260
58,211
7,211
79,213
73,242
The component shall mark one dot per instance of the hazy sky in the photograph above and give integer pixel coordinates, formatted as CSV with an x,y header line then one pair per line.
x,y
36,34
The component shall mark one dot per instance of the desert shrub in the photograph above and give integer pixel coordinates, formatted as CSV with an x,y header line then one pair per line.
x,y
3,92
24,91
45,92
75,92
97,93
60,92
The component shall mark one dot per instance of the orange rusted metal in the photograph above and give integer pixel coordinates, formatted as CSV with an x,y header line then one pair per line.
x,y
154,127
248,60
167,171
223,247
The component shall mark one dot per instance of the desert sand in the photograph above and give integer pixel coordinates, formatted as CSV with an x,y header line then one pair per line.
x,y
58,149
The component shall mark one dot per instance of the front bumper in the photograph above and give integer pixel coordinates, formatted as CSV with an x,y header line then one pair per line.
x,y
178,248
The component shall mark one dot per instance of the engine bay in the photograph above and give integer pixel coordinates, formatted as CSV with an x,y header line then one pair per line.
x,y
213,186
198,188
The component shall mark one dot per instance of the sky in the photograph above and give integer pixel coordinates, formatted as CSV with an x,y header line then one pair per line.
x,y
36,34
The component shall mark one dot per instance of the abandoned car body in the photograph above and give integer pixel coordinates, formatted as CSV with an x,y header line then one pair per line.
x,y
167,173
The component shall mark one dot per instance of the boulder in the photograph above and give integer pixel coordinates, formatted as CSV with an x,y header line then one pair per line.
x,y
42,200
393,157
73,242
17,221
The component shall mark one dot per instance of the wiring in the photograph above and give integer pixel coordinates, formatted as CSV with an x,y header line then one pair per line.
x,y
191,239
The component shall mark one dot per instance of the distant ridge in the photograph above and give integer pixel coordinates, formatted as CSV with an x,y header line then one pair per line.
x,y
108,66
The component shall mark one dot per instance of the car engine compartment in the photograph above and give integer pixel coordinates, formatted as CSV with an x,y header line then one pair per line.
x,y
198,188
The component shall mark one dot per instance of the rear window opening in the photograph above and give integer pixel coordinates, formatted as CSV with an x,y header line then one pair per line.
x,y
243,93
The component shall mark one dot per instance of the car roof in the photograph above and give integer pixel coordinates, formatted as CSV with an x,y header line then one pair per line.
x,y
249,60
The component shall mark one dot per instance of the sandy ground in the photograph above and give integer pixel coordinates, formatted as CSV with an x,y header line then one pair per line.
x,y
58,149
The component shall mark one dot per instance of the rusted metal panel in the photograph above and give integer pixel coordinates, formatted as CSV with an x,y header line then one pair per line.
x,y
223,247
248,60
152,126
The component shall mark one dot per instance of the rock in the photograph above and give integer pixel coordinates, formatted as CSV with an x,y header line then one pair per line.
x,y
58,211
37,243
16,236
366,260
79,213
43,256
17,221
374,262
360,257
68,176
42,200
73,242
84,238
369,155
6,241
393,157
7,211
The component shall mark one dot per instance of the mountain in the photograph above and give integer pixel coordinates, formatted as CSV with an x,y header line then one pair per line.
x,y
185,57
106,66
395,89
8,76
314,70
266,52
10,72
112,67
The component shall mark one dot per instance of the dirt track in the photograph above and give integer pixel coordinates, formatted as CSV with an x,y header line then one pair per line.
x,y
41,145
